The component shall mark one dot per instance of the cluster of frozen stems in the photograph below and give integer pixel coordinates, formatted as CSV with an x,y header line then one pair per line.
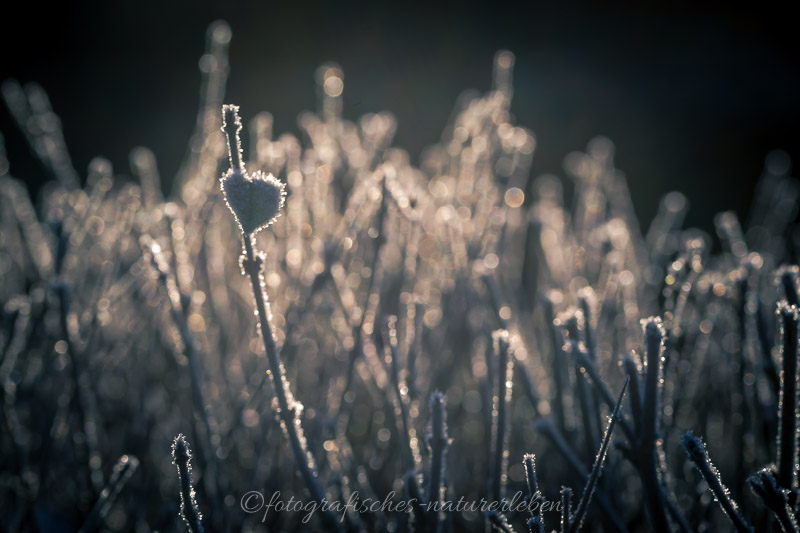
x,y
441,322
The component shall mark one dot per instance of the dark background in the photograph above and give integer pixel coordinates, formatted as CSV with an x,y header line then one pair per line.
x,y
693,97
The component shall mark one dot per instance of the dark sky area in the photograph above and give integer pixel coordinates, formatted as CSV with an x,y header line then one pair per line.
x,y
694,98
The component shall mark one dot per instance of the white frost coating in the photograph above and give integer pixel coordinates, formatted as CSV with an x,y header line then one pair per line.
x,y
255,200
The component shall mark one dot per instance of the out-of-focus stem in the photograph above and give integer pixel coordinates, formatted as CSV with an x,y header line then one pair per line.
x,y
438,443
504,356
122,472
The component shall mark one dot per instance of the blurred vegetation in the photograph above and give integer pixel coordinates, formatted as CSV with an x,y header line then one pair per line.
x,y
420,329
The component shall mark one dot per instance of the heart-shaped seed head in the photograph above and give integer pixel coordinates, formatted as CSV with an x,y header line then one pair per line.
x,y
256,200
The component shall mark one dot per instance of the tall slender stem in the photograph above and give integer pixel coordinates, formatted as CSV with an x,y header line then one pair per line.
x,y
504,355
790,378
181,456
648,467
536,521
287,411
438,442
576,522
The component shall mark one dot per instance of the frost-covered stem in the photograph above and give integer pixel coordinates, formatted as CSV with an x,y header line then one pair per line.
x,y
591,483
584,299
612,519
764,484
437,442
698,455
536,521
765,340
304,460
318,284
558,364
182,456
583,393
746,391
566,508
582,390
654,347
122,472
504,356
232,125
216,485
605,392
499,523
403,420
648,465
787,427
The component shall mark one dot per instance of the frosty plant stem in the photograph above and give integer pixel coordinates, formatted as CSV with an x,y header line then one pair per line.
x,y
654,350
788,317
438,441
504,354
182,456
122,472
697,453
255,202
765,485
535,522
576,521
